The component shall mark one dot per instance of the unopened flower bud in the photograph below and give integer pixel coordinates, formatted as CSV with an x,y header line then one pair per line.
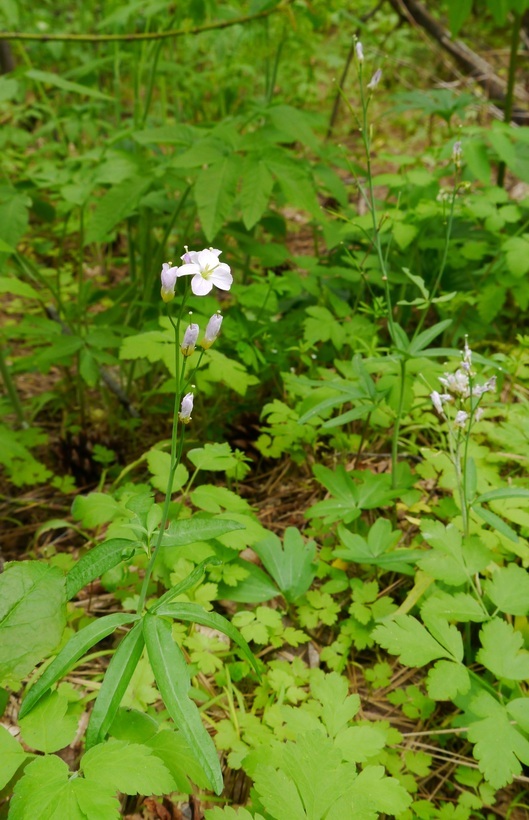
x,y
169,276
186,408
461,418
457,153
375,79
212,330
436,401
190,339
359,51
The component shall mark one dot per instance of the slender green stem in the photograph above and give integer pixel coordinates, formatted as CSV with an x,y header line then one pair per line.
x,y
396,426
176,453
11,390
444,260
509,97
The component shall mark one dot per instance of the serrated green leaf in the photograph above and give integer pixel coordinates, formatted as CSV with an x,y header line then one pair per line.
x,y
130,768
255,588
501,651
256,188
499,746
117,204
227,813
508,590
446,680
101,558
95,509
193,578
374,792
47,790
117,678
215,190
338,706
160,467
406,637
76,647
12,756
172,678
212,457
30,593
51,725
133,726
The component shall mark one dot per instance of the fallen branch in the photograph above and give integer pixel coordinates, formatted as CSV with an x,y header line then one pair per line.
x,y
477,67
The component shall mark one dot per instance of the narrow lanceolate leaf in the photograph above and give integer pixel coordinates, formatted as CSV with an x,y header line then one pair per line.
x,y
74,649
117,678
172,678
99,560
194,613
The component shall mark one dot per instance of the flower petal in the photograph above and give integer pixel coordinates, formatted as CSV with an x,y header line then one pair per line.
x,y
201,286
207,259
221,277
191,269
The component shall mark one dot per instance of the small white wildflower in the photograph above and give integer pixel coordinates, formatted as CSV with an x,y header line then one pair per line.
x,y
190,339
206,270
461,418
168,276
456,383
375,79
186,408
457,153
436,401
467,356
489,386
212,330
359,51
478,414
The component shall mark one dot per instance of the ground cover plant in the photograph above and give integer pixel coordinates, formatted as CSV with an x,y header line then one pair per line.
x,y
263,428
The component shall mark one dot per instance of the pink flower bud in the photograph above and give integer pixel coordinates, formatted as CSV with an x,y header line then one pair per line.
x,y
190,339
212,330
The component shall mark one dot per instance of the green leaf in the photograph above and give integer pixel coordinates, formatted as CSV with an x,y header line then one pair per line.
x,y
191,580
76,647
227,813
291,565
212,457
100,559
133,726
160,467
14,217
373,793
95,509
30,593
255,588
197,528
130,768
422,341
215,190
194,613
256,188
406,637
9,284
306,780
444,561
57,81
338,706
49,791
117,204
501,651
12,756
499,745
174,752
114,685
508,589
503,492
51,725
172,678
458,13
446,680
378,548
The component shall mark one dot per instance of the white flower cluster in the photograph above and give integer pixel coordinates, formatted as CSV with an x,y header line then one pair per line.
x,y
203,266
459,387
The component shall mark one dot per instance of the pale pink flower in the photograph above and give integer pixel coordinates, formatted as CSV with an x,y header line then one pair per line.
x,y
206,270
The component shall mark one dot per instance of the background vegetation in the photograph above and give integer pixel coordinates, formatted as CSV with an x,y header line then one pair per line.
x,y
311,600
